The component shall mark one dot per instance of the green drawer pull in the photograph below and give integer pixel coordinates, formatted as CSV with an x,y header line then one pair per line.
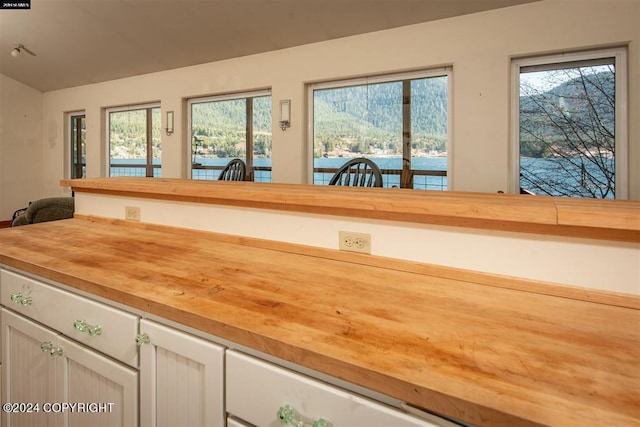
x,y
287,415
21,299
90,330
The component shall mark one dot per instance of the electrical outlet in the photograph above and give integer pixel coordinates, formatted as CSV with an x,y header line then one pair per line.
x,y
354,242
132,213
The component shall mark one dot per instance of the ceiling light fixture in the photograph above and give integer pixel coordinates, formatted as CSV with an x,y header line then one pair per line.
x,y
19,48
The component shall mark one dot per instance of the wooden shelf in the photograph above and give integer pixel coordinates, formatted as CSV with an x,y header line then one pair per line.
x,y
596,219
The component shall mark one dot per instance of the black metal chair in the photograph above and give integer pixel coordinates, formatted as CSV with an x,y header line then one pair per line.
x,y
235,170
359,172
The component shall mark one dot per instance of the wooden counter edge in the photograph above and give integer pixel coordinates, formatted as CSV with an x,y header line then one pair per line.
x,y
504,212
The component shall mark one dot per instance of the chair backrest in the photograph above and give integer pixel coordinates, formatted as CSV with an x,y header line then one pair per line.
x,y
359,172
235,170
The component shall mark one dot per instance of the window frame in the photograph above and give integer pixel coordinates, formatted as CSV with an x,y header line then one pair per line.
x,y
445,71
71,118
249,126
552,62
134,107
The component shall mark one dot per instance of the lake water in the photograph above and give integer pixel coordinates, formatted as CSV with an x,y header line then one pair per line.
x,y
548,173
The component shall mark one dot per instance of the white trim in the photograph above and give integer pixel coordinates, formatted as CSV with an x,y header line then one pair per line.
x,y
76,113
387,78
569,57
229,97
621,112
622,126
450,144
513,186
134,107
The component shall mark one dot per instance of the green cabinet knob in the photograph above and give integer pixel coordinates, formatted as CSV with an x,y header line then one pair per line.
x,y
142,339
48,347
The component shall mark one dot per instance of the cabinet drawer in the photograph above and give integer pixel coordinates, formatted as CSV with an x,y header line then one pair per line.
x,y
61,310
256,390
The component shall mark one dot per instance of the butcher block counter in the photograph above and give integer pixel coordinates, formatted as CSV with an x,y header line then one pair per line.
x,y
485,349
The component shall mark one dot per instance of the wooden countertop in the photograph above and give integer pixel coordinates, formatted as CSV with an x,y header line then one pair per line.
x,y
617,220
485,349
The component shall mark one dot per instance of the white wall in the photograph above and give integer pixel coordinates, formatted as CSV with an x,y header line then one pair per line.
x,y
21,146
479,47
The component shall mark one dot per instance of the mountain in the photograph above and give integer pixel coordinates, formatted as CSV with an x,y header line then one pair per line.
x,y
573,118
368,119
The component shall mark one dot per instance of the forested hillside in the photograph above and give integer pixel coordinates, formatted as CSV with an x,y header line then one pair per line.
x,y
573,117
567,133
368,119
360,119
219,128
128,134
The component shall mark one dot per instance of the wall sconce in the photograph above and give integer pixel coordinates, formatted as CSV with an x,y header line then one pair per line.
x,y
285,114
169,128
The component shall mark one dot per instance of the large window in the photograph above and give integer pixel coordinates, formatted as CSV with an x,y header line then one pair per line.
x,y
570,127
400,122
228,127
78,144
134,141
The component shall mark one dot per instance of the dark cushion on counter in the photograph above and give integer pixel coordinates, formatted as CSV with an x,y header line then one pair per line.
x,y
47,209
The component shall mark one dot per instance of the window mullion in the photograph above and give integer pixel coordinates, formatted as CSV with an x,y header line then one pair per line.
x,y
406,179
77,125
149,166
249,153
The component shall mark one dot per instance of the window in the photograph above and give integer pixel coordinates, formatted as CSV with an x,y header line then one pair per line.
x,y
226,127
134,141
570,130
78,145
400,122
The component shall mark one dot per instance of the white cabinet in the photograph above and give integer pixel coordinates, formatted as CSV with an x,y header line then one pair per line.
x,y
106,329
266,395
43,367
181,378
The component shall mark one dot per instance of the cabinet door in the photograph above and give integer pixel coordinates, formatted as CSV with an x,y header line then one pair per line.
x,y
71,373
181,379
28,372
108,389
